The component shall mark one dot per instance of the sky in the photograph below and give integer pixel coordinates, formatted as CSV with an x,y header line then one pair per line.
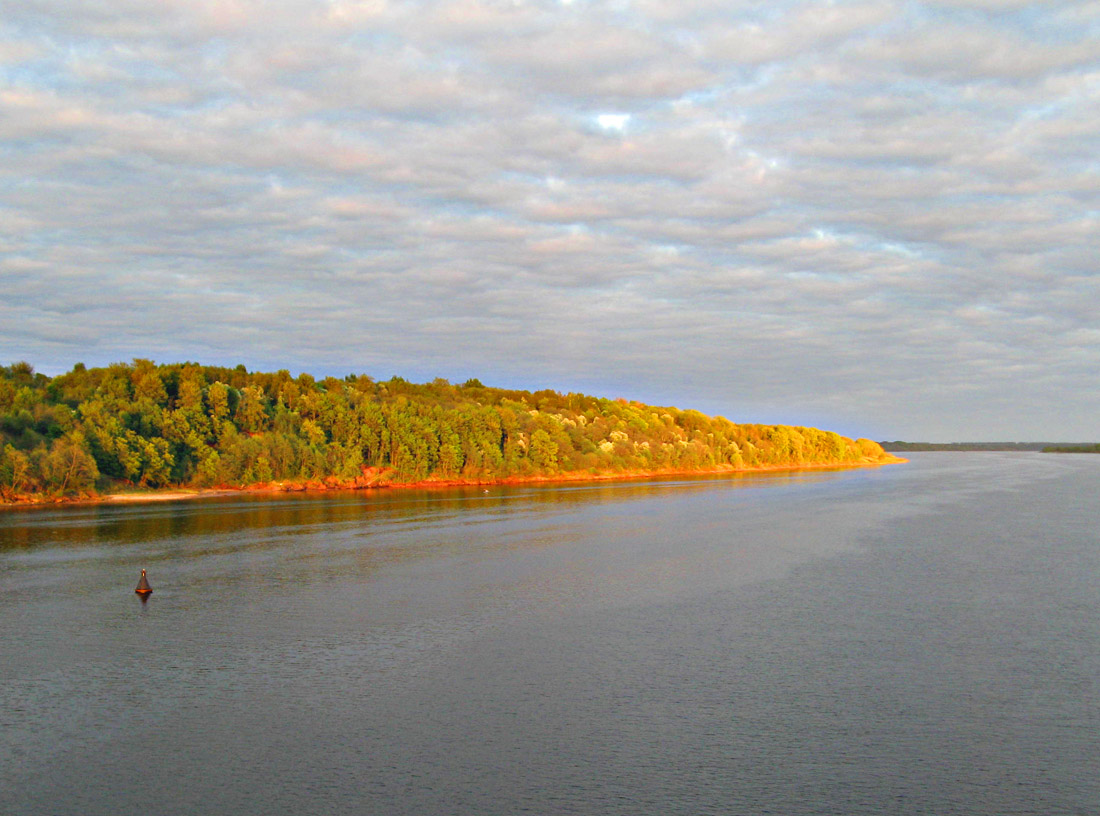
x,y
879,218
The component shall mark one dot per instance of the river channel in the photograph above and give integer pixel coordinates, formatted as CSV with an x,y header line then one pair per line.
x,y
912,639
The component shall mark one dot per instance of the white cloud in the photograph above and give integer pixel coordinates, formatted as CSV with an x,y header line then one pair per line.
x,y
613,121
760,210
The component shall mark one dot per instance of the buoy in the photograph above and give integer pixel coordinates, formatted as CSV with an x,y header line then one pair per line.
x,y
143,588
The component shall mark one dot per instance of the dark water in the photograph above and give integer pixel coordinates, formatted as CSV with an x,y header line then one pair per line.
x,y
918,639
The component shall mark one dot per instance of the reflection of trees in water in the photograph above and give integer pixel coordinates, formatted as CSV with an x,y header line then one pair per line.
x,y
373,518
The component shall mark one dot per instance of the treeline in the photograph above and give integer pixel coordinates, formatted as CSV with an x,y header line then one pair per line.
x,y
1045,447
899,447
141,424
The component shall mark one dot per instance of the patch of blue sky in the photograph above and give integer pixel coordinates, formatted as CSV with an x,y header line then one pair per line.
x,y
905,250
702,97
40,72
1043,22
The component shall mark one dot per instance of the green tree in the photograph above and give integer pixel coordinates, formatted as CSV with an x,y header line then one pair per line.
x,y
68,466
251,413
217,402
543,451
15,468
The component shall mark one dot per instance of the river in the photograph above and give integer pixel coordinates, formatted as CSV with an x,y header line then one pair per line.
x,y
912,639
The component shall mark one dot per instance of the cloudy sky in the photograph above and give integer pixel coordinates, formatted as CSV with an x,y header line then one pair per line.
x,y
881,218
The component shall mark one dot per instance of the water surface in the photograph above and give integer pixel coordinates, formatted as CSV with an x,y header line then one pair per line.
x,y
915,639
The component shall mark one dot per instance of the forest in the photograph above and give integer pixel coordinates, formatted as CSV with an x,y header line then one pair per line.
x,y
141,425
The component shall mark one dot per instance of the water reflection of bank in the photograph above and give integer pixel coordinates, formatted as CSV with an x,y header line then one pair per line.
x,y
297,513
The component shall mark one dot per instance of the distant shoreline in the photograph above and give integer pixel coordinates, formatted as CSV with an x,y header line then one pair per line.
x,y
1036,447
380,483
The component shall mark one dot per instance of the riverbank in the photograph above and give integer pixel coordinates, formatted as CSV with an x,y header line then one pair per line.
x,y
378,479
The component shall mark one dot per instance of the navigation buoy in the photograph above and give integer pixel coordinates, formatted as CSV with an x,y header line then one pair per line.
x,y
143,588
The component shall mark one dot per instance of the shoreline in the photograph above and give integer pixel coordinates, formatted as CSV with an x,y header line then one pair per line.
x,y
375,481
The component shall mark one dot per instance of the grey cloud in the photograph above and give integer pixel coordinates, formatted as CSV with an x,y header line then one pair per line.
x,y
966,55
796,32
869,214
